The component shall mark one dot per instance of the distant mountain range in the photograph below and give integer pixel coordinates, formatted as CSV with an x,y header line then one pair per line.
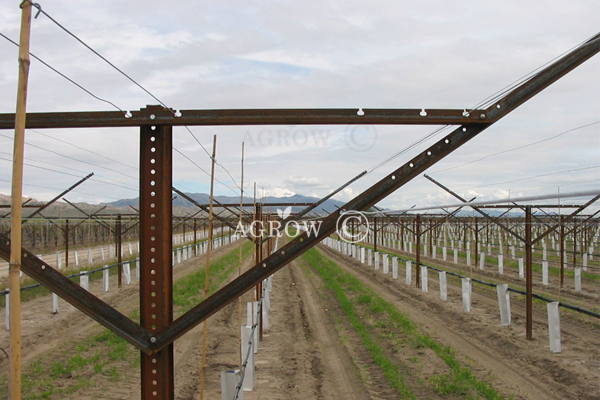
x,y
204,199
182,207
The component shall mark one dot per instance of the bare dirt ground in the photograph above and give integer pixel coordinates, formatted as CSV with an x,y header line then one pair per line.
x,y
312,352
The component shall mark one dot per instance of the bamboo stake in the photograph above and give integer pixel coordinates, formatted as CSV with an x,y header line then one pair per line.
x,y
239,300
16,199
206,283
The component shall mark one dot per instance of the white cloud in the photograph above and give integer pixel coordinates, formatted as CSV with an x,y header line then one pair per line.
x,y
278,192
303,181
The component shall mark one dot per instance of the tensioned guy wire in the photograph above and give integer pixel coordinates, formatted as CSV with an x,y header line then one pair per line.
x,y
484,103
84,149
64,76
36,5
74,159
500,93
409,147
203,170
539,176
518,148
59,189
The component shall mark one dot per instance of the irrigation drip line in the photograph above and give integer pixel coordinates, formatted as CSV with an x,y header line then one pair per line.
x,y
537,296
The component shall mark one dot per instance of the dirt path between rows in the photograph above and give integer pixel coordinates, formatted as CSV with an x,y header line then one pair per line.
x,y
298,358
526,369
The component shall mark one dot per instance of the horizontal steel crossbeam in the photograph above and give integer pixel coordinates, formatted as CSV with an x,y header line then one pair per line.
x,y
248,117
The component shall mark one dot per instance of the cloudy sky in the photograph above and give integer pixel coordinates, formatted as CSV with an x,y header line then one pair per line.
x,y
309,54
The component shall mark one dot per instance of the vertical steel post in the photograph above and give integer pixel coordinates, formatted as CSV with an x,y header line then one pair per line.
x,y
374,234
562,252
67,244
418,258
119,249
528,273
476,242
574,244
156,273
195,236
430,252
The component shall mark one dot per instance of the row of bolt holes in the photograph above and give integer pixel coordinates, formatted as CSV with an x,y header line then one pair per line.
x,y
153,227
153,249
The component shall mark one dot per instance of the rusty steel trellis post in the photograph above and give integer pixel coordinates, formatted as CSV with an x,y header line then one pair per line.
x,y
528,274
156,275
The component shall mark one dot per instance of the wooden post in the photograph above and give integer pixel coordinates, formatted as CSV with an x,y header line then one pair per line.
x,y
16,207
206,280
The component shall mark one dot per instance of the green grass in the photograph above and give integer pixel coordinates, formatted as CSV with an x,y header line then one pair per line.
x,y
189,291
460,379
33,293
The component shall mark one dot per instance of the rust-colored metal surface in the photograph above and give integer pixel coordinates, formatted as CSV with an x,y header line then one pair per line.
x,y
156,271
528,276
332,116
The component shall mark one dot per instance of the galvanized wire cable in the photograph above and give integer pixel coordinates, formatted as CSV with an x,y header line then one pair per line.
x,y
540,176
59,189
482,104
86,150
409,147
41,11
118,108
519,147
66,77
491,99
